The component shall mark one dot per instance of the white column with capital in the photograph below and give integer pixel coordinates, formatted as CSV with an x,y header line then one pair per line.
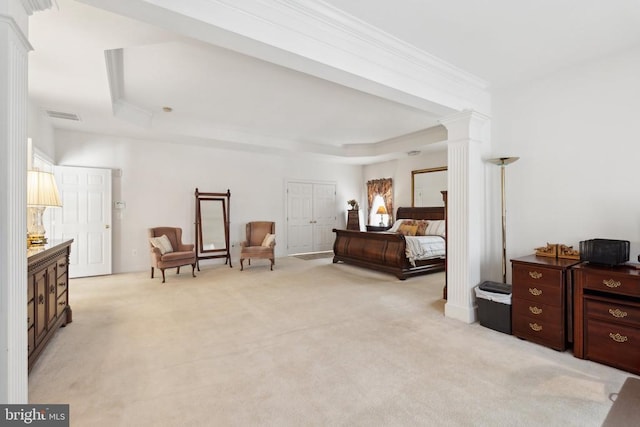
x,y
467,142
14,49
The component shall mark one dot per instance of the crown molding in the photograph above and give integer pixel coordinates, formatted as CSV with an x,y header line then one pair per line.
x,y
13,25
31,6
318,39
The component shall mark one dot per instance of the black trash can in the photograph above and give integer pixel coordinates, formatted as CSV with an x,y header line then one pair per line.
x,y
494,305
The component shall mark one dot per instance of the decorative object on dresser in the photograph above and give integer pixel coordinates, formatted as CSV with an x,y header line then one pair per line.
x,y
607,315
541,301
213,213
502,162
42,192
605,251
388,251
551,250
558,250
353,203
47,294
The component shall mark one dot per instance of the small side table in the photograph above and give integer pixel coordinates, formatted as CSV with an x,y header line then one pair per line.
x,y
378,227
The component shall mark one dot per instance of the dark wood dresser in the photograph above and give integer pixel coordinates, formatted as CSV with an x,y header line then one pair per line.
x,y
541,296
353,220
607,315
47,294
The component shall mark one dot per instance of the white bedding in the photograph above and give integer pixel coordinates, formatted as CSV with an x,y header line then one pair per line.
x,y
424,247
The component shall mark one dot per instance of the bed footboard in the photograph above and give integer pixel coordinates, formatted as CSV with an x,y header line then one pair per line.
x,y
379,251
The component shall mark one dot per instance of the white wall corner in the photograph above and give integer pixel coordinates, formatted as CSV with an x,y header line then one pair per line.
x,y
31,6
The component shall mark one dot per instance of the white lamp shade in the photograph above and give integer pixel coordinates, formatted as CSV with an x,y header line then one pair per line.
x,y
42,189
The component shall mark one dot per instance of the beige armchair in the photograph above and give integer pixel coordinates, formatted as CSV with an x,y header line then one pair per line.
x,y
170,252
257,244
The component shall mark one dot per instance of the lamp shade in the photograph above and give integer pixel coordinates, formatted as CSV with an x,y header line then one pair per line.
x,y
381,210
42,189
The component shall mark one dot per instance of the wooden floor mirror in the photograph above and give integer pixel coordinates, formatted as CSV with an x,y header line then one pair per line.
x,y
212,226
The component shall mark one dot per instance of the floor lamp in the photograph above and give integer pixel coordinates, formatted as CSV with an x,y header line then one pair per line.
x,y
502,162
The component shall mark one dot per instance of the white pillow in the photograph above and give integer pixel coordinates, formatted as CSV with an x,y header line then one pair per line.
x,y
268,239
435,228
162,243
396,226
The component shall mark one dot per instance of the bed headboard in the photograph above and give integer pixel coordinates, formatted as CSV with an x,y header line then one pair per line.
x,y
425,212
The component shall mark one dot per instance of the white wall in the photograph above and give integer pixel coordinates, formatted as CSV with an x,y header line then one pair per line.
x,y
40,130
159,179
577,133
400,171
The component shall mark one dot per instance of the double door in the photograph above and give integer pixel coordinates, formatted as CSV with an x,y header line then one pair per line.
x,y
311,216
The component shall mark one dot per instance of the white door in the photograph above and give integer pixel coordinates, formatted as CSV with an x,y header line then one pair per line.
x,y
311,217
324,216
85,217
299,217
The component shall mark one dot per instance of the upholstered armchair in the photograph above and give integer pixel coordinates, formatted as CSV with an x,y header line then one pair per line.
x,y
260,242
168,251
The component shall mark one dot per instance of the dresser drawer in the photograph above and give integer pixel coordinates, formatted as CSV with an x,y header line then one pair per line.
x,y
534,310
539,293
30,313
613,344
62,266
611,310
62,303
535,275
31,340
612,282
61,285
540,330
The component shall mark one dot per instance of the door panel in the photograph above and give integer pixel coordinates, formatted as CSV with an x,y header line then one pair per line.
x,y
299,217
85,216
310,217
324,216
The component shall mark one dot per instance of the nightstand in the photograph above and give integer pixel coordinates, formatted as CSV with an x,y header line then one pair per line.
x,y
378,227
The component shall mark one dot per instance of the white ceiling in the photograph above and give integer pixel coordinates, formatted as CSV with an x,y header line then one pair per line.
x,y
227,99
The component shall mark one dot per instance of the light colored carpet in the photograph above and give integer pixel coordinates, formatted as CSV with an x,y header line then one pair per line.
x,y
311,343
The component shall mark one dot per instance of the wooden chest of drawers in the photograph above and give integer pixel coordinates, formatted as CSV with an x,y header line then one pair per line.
x,y
353,220
539,300
47,295
607,315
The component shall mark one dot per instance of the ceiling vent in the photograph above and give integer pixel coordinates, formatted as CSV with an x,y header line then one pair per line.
x,y
64,116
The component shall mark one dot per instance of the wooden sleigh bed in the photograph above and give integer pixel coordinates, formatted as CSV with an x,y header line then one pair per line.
x,y
386,251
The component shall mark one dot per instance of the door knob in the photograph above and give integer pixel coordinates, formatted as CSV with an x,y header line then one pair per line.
x,y
107,226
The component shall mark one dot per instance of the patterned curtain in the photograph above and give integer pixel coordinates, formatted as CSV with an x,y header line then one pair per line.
x,y
384,188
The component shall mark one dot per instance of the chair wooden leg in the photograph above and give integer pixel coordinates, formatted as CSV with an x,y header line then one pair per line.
x,y
241,265
152,272
178,270
272,262
162,269
193,270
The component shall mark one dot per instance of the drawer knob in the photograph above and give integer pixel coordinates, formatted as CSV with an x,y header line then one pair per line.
x,y
62,303
62,284
534,291
535,310
40,299
535,275
617,313
617,337
535,327
611,283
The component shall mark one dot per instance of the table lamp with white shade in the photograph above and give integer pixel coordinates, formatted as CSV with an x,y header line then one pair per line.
x,y
42,192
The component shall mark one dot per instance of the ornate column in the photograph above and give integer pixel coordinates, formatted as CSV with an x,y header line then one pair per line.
x,y
14,48
467,142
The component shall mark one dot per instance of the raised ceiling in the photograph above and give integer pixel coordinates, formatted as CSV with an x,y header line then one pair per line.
x,y
117,73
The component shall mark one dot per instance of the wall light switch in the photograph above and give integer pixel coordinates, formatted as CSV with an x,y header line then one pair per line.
x,y
119,205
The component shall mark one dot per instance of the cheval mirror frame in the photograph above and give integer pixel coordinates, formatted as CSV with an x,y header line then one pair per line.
x,y
429,177
212,226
